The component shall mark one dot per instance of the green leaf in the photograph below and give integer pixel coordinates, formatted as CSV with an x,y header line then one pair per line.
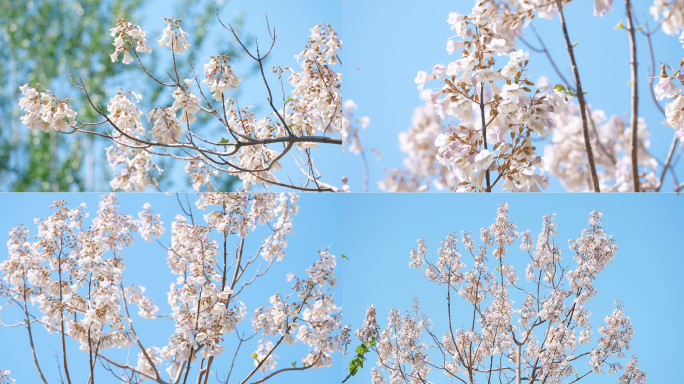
x,y
344,257
559,87
255,356
223,141
353,367
620,25
294,364
576,42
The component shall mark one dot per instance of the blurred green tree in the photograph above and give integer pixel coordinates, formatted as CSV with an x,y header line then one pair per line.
x,y
42,40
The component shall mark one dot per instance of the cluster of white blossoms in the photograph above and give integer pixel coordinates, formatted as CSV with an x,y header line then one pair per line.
x,y
350,132
172,39
167,128
220,76
260,159
421,164
400,348
134,175
312,314
134,294
44,111
5,377
513,112
611,143
183,98
200,175
75,274
667,87
554,324
316,102
632,373
369,330
672,13
547,9
126,35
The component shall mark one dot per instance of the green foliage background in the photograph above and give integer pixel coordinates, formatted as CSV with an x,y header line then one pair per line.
x,y
42,40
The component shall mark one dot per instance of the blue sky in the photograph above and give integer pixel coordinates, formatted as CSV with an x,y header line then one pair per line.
x,y
381,230
315,226
390,43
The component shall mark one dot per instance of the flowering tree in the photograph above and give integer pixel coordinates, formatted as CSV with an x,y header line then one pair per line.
x,y
552,340
75,275
478,128
252,147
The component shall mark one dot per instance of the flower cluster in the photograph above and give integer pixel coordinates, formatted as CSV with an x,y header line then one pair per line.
x,y
316,102
200,175
313,315
672,13
172,39
514,112
44,111
350,133
220,76
137,162
369,329
5,378
126,35
667,87
134,294
261,160
611,140
166,129
421,163
183,98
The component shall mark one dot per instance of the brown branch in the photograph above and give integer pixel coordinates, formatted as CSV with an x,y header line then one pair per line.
x,y
580,98
28,324
287,369
61,312
635,96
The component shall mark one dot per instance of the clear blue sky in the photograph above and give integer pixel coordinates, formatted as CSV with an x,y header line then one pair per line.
x,y
381,230
316,226
390,43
